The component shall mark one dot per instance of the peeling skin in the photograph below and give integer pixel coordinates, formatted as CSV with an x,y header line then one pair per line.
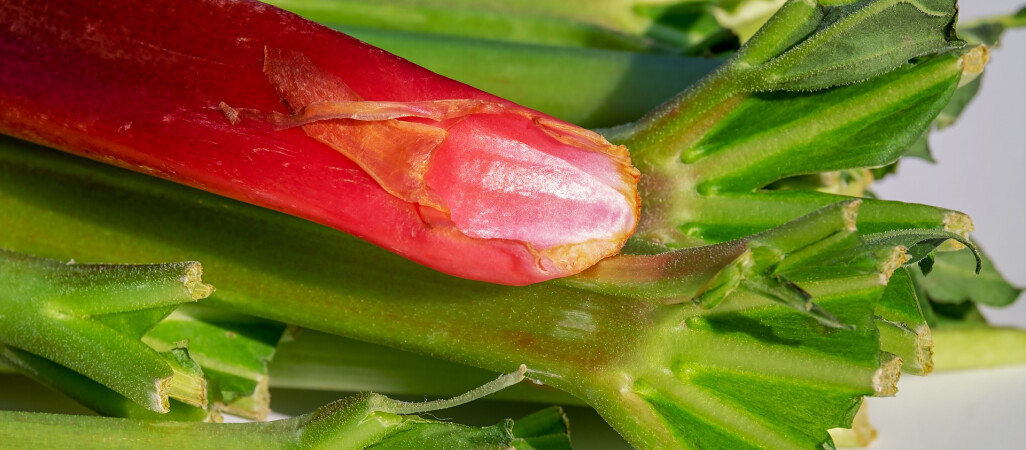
x,y
230,113
395,153
490,170
437,110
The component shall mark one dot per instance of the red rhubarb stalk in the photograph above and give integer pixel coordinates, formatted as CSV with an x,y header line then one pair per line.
x,y
257,104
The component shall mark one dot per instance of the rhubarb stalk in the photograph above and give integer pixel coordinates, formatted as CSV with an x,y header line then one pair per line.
x,y
650,360
89,318
674,347
429,168
360,421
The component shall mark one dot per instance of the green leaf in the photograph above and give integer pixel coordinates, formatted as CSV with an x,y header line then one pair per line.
x,y
920,244
919,149
988,30
963,95
954,281
861,40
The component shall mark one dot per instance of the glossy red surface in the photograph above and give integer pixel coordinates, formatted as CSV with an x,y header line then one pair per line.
x,y
138,84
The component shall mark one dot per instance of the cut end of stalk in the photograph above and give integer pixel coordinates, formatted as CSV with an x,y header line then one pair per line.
x,y
960,224
214,416
861,434
897,258
852,183
924,349
187,386
973,63
885,381
851,214
159,397
194,284
254,407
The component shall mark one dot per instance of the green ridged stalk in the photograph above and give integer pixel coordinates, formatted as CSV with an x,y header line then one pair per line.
x,y
689,345
655,26
585,339
88,318
791,103
361,421
586,86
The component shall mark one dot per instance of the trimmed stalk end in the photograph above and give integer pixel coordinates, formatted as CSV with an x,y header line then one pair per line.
x,y
194,285
254,407
972,64
159,396
924,349
896,258
960,224
861,434
850,214
187,383
885,381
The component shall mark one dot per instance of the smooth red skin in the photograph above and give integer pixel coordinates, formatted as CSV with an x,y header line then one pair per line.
x,y
136,84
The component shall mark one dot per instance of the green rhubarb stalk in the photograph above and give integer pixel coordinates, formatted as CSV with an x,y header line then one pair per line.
x,y
135,354
645,25
360,421
664,371
233,351
312,360
586,86
903,328
88,318
95,396
969,346
818,89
